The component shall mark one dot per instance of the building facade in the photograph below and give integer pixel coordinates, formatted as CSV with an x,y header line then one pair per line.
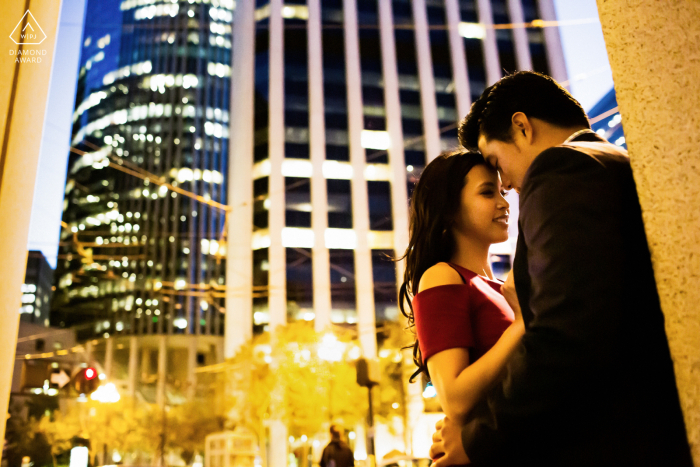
x,y
337,106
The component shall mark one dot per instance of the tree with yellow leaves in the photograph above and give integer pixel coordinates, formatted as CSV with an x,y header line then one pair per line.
x,y
299,376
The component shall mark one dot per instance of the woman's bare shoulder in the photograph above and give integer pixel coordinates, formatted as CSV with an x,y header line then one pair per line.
x,y
439,274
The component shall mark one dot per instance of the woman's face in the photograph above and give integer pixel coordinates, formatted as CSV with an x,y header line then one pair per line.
x,y
483,214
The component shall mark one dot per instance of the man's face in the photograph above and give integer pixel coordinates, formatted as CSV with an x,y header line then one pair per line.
x,y
507,158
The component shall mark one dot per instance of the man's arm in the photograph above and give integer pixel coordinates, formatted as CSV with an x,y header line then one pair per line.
x,y
573,230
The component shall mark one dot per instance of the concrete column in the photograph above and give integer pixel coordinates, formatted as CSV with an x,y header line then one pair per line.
x,y
414,398
191,367
655,59
278,444
493,63
88,352
133,365
109,357
399,194
23,99
364,285
145,363
459,59
320,262
520,41
239,253
277,258
431,128
555,52
162,370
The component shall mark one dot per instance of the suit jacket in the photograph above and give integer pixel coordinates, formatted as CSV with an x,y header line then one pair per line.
x,y
592,382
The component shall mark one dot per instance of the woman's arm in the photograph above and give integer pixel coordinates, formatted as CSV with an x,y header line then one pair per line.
x,y
459,384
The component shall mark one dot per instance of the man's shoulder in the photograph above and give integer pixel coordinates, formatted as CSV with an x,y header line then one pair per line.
x,y
577,160
579,153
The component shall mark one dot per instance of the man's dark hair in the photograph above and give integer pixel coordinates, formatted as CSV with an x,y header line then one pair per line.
x,y
335,432
534,94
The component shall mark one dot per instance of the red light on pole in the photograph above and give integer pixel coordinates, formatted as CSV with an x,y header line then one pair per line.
x,y
90,373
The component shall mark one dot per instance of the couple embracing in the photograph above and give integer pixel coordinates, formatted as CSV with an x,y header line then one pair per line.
x,y
567,362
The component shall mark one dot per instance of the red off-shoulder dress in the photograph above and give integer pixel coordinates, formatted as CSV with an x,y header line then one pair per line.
x,y
472,315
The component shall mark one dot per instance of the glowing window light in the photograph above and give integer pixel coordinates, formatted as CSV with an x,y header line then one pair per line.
x,y
28,298
79,456
261,317
337,170
294,237
295,12
345,239
331,349
472,30
297,168
28,288
620,141
180,323
378,172
262,12
380,240
370,139
180,284
262,169
261,239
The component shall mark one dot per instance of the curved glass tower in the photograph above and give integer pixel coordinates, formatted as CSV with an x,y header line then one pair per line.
x,y
142,250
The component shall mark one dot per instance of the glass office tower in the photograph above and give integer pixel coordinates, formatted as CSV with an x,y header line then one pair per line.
x,y
142,250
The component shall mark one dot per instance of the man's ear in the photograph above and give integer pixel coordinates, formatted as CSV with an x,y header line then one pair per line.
x,y
522,127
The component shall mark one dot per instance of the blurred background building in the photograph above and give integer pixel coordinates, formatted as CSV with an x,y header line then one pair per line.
x,y
173,238
608,123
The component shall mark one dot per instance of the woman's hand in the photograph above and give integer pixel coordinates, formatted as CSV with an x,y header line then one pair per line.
x,y
508,291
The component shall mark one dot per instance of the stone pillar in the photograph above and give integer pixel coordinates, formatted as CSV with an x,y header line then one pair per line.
x,y
364,285
133,365
23,99
319,203
239,255
655,59
191,367
109,357
162,370
88,353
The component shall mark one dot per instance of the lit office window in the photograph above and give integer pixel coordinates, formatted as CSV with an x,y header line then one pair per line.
x,y
339,204
343,296
385,291
299,284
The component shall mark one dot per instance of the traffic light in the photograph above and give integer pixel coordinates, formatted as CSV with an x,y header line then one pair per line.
x,y
86,381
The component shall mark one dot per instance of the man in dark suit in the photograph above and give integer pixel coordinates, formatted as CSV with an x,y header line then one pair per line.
x,y
592,382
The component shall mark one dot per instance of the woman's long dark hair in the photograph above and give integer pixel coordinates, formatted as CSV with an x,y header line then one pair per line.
x,y
435,203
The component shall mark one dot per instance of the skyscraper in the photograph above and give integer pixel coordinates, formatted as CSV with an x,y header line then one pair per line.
x,y
139,264
138,256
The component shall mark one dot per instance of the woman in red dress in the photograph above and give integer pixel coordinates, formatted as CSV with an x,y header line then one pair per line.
x,y
466,328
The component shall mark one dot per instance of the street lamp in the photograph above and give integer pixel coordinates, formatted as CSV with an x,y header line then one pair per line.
x,y
107,393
